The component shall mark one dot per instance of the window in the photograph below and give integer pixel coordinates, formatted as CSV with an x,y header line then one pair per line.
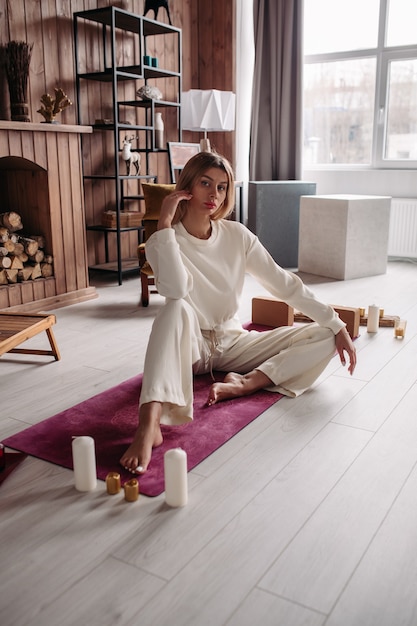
x,y
360,83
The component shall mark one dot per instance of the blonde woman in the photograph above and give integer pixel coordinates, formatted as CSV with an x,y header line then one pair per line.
x,y
199,260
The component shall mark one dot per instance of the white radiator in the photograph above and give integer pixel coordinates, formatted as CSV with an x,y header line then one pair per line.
x,y
402,240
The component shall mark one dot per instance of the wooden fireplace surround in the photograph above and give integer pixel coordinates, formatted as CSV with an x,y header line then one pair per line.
x,y
41,178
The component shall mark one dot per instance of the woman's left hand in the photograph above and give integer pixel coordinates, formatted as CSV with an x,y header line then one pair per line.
x,y
345,344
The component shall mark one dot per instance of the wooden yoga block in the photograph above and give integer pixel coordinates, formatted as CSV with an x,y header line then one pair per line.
x,y
349,315
271,312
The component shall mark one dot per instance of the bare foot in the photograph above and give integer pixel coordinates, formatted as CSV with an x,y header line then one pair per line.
x,y
231,387
147,436
237,385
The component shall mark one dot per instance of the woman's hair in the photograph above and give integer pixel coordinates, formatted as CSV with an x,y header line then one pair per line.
x,y
192,172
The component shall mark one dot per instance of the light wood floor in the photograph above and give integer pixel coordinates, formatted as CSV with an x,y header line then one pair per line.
x,y
307,517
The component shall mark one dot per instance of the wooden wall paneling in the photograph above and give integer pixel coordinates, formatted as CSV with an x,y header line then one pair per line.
x,y
28,148
43,222
26,291
96,105
4,297
78,225
216,49
39,289
39,149
64,206
15,294
36,69
4,89
4,145
31,204
7,187
193,38
15,143
49,287
89,53
55,204
208,74
51,45
65,39
16,19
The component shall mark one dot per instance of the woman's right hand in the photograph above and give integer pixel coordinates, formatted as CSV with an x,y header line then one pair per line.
x,y
169,207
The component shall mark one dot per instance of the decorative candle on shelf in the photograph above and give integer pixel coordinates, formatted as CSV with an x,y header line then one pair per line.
x,y
373,319
159,132
131,488
113,483
84,461
175,473
399,329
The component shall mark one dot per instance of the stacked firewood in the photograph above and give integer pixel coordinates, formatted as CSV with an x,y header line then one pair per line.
x,y
21,257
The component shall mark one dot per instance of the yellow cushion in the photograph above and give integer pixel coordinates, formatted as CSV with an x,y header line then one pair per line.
x,y
154,193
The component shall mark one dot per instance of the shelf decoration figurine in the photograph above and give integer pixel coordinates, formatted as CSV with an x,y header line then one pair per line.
x,y
52,106
130,157
149,92
155,5
17,61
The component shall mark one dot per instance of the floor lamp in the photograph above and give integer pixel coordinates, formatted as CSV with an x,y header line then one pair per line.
x,y
208,110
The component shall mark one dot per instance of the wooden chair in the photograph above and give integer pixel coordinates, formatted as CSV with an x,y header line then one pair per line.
x,y
153,194
178,154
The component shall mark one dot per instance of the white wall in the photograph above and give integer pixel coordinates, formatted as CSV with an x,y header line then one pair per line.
x,y
394,183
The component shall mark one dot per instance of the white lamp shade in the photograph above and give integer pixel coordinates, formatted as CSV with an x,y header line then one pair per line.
x,y
208,110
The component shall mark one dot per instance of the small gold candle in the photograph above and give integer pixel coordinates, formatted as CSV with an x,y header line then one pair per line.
x,y
362,312
113,483
381,313
399,329
131,488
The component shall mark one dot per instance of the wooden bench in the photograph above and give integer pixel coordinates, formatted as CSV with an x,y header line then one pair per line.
x,y
15,328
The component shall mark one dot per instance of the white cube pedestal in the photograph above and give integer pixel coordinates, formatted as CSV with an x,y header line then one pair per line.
x,y
344,236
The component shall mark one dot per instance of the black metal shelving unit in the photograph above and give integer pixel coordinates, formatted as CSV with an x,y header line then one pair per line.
x,y
112,24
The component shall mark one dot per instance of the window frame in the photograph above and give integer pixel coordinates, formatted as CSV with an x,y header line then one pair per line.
x,y
383,55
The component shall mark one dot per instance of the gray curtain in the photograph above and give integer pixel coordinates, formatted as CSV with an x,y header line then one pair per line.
x,y
276,142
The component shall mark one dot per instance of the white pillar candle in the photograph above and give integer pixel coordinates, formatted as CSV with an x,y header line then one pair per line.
x,y
84,461
175,471
373,319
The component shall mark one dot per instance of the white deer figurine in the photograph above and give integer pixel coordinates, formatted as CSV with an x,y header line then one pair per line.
x,y
129,156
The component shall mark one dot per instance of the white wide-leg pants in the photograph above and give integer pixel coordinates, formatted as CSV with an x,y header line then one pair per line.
x,y
291,357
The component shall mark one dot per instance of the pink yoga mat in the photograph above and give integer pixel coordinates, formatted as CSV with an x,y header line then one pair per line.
x,y
111,419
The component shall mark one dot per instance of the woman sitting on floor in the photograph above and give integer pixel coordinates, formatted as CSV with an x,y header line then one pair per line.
x,y
199,260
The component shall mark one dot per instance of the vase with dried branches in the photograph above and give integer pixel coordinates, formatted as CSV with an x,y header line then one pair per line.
x,y
18,55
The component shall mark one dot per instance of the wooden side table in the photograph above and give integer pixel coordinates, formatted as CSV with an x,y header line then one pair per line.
x,y
15,328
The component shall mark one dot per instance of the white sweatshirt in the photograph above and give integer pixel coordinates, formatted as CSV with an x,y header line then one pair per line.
x,y
209,274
